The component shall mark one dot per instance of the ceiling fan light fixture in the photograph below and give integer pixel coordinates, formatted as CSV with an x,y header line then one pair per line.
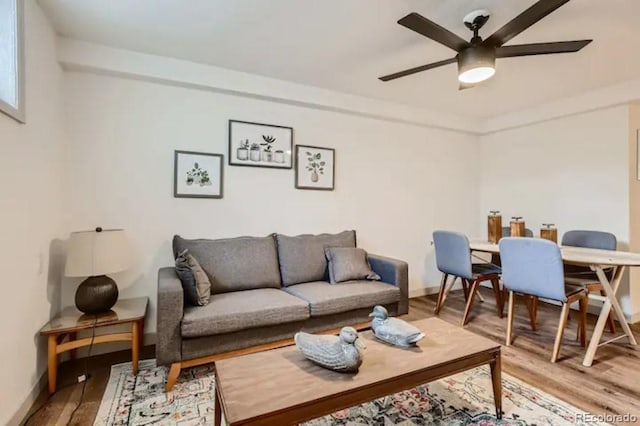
x,y
476,75
476,64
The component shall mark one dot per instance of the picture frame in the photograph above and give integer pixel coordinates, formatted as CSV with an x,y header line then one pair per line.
x,y
260,145
198,175
315,167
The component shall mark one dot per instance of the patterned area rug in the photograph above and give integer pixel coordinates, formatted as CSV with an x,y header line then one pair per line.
x,y
463,399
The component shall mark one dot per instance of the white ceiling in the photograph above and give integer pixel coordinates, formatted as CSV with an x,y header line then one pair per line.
x,y
345,45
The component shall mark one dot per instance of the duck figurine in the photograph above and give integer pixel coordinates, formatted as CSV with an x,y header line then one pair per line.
x,y
393,330
339,353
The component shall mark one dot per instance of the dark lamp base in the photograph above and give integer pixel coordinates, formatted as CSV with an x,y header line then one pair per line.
x,y
96,294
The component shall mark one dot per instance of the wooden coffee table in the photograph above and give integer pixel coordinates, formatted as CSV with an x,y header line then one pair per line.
x,y
71,321
282,387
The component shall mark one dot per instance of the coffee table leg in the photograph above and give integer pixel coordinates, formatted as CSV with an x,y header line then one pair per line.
x,y
217,421
496,380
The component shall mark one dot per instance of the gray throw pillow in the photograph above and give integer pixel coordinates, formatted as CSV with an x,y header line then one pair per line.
x,y
187,279
348,263
203,285
195,283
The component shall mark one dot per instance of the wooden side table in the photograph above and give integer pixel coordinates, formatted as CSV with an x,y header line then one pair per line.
x,y
71,321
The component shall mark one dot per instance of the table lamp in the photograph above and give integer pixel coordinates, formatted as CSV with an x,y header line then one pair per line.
x,y
94,254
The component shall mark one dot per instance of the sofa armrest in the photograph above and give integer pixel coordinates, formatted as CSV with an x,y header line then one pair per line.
x,y
168,317
394,272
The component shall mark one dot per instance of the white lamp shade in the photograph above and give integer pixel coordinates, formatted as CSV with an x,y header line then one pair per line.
x,y
93,253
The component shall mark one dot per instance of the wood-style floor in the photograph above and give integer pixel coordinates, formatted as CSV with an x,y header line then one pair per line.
x,y
611,385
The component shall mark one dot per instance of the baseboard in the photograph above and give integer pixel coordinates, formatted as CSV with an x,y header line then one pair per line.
x,y
423,291
633,318
24,408
426,291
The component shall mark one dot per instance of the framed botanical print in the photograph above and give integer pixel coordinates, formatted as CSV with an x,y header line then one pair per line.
x,y
260,145
315,167
197,175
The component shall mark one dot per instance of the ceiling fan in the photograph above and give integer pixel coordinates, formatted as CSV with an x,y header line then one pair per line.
x,y
476,58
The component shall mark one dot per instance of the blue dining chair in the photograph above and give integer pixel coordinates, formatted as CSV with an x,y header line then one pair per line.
x,y
453,257
531,301
534,267
583,275
590,239
506,232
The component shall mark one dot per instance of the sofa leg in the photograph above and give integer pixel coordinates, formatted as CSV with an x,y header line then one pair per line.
x,y
174,372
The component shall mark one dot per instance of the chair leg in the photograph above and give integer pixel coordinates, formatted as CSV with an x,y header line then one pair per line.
x,y
610,321
443,286
582,327
532,307
563,323
505,296
497,293
472,293
465,288
510,319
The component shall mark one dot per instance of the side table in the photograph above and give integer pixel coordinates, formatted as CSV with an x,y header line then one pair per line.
x,y
71,321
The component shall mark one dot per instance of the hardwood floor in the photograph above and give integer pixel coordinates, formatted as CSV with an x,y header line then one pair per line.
x,y
58,408
611,385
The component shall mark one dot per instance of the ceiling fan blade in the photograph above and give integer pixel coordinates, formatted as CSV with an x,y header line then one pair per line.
x,y
430,29
523,21
540,48
417,69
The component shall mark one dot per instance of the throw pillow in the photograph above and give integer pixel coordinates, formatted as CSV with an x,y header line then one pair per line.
x,y
203,285
188,281
348,263
195,283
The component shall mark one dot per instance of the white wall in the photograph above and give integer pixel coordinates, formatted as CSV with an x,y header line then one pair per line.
x,y
31,183
571,171
395,182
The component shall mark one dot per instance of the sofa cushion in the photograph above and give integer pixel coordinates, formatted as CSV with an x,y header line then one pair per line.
x,y
347,264
240,310
234,264
325,298
302,257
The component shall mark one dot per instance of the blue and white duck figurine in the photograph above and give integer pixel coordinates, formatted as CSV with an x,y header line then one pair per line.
x,y
339,353
393,330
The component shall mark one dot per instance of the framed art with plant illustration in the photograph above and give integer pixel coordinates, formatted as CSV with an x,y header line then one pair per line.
x,y
260,145
197,175
315,167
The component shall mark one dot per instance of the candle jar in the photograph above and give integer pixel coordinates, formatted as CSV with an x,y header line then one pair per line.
x,y
517,227
549,232
494,226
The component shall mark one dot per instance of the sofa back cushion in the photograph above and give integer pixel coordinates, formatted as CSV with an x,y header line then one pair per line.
x,y
233,264
302,257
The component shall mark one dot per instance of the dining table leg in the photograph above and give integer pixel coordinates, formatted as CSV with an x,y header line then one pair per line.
x,y
610,289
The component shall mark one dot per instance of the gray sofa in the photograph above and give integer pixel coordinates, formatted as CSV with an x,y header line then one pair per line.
x,y
264,290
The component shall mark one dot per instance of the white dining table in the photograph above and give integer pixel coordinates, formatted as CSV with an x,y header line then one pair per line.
x,y
598,261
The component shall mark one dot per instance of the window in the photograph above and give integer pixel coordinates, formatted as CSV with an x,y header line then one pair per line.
x,y
11,59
